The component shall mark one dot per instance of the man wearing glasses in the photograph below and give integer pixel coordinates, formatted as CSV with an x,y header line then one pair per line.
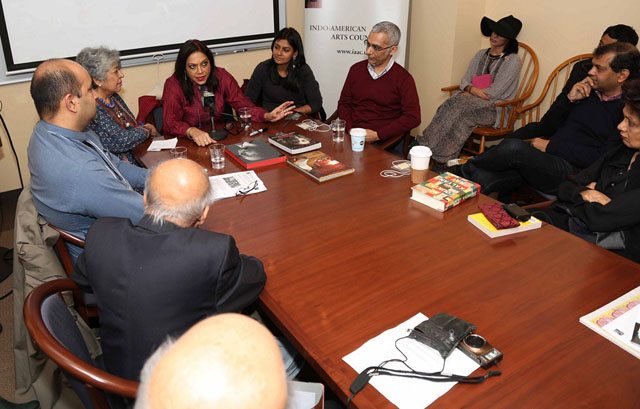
x,y
378,94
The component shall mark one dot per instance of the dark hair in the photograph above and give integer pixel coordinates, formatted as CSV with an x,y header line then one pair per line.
x,y
188,48
511,47
292,81
622,32
48,88
626,57
631,95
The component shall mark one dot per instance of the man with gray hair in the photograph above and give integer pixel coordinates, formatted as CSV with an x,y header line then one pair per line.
x,y
158,277
378,94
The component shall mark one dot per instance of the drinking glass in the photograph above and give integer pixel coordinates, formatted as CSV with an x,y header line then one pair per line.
x,y
337,127
179,152
245,117
217,155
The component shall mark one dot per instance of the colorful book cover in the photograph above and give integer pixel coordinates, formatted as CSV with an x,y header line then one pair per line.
x,y
294,143
319,166
444,191
254,154
482,223
619,321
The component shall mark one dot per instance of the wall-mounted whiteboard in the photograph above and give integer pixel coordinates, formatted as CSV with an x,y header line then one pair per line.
x,y
35,30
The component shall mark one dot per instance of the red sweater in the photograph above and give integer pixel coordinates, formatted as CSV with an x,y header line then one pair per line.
x,y
178,114
388,105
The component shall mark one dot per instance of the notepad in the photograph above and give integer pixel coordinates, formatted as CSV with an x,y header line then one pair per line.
x,y
160,144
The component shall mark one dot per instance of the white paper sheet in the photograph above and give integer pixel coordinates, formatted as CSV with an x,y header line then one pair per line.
x,y
407,393
236,184
159,144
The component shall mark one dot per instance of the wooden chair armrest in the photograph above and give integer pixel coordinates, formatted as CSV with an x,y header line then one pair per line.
x,y
58,353
450,88
69,238
540,205
532,105
390,142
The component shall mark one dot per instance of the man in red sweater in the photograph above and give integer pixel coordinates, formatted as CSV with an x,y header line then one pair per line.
x,y
378,94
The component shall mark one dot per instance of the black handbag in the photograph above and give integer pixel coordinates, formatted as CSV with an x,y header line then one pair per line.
x,y
443,332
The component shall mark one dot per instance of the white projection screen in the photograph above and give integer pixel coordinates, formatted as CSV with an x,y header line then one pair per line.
x,y
35,30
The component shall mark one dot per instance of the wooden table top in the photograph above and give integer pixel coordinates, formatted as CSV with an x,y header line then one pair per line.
x,y
354,256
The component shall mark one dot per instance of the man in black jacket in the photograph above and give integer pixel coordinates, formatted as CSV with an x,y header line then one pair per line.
x,y
159,277
552,119
587,119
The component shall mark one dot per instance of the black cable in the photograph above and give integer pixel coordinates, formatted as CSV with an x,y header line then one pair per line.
x,y
13,149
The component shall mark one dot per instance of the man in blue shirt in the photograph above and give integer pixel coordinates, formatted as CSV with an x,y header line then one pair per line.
x,y
74,179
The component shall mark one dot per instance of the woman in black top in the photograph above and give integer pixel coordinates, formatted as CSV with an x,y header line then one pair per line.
x,y
285,77
601,204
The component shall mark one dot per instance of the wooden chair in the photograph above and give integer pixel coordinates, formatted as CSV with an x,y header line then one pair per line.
x,y
88,313
533,112
387,144
509,111
53,329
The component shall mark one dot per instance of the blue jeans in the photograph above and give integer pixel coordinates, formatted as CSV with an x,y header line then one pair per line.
x,y
514,162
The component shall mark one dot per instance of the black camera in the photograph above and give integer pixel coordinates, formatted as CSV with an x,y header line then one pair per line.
x,y
480,350
208,99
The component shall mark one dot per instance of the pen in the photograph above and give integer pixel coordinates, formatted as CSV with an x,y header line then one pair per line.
x,y
254,133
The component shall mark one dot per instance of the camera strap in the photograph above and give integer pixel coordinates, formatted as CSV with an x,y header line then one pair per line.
x,y
365,376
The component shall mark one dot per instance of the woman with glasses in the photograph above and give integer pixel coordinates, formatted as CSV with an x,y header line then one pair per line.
x,y
285,76
114,122
492,76
185,113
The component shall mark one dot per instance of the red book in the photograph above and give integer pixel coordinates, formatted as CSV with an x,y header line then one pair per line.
x,y
254,154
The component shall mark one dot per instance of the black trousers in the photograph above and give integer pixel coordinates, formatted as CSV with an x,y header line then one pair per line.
x,y
506,166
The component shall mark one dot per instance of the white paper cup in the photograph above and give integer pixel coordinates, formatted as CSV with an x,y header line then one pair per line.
x,y
358,136
420,157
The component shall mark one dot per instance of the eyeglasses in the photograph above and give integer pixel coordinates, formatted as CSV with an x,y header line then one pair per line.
x,y
193,67
247,189
376,47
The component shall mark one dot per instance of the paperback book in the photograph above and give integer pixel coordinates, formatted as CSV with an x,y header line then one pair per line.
x,y
481,222
444,191
254,154
294,143
619,321
319,166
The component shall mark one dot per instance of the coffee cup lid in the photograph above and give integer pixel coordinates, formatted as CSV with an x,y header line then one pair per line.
x,y
358,132
420,151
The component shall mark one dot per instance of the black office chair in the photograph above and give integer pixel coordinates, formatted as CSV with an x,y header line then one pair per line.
x,y
53,329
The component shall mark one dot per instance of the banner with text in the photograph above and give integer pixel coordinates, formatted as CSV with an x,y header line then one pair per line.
x,y
334,35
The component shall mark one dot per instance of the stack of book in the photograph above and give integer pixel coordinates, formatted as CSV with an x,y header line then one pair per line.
x,y
319,166
444,191
254,154
294,143
481,222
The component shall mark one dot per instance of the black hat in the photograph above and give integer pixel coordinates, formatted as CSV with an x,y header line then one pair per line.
x,y
507,27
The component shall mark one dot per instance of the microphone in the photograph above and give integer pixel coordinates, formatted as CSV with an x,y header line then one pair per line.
x,y
209,101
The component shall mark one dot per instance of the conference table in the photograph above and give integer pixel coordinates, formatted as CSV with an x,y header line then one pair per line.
x,y
352,257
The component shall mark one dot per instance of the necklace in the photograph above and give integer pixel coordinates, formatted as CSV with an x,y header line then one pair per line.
x,y
121,114
108,105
